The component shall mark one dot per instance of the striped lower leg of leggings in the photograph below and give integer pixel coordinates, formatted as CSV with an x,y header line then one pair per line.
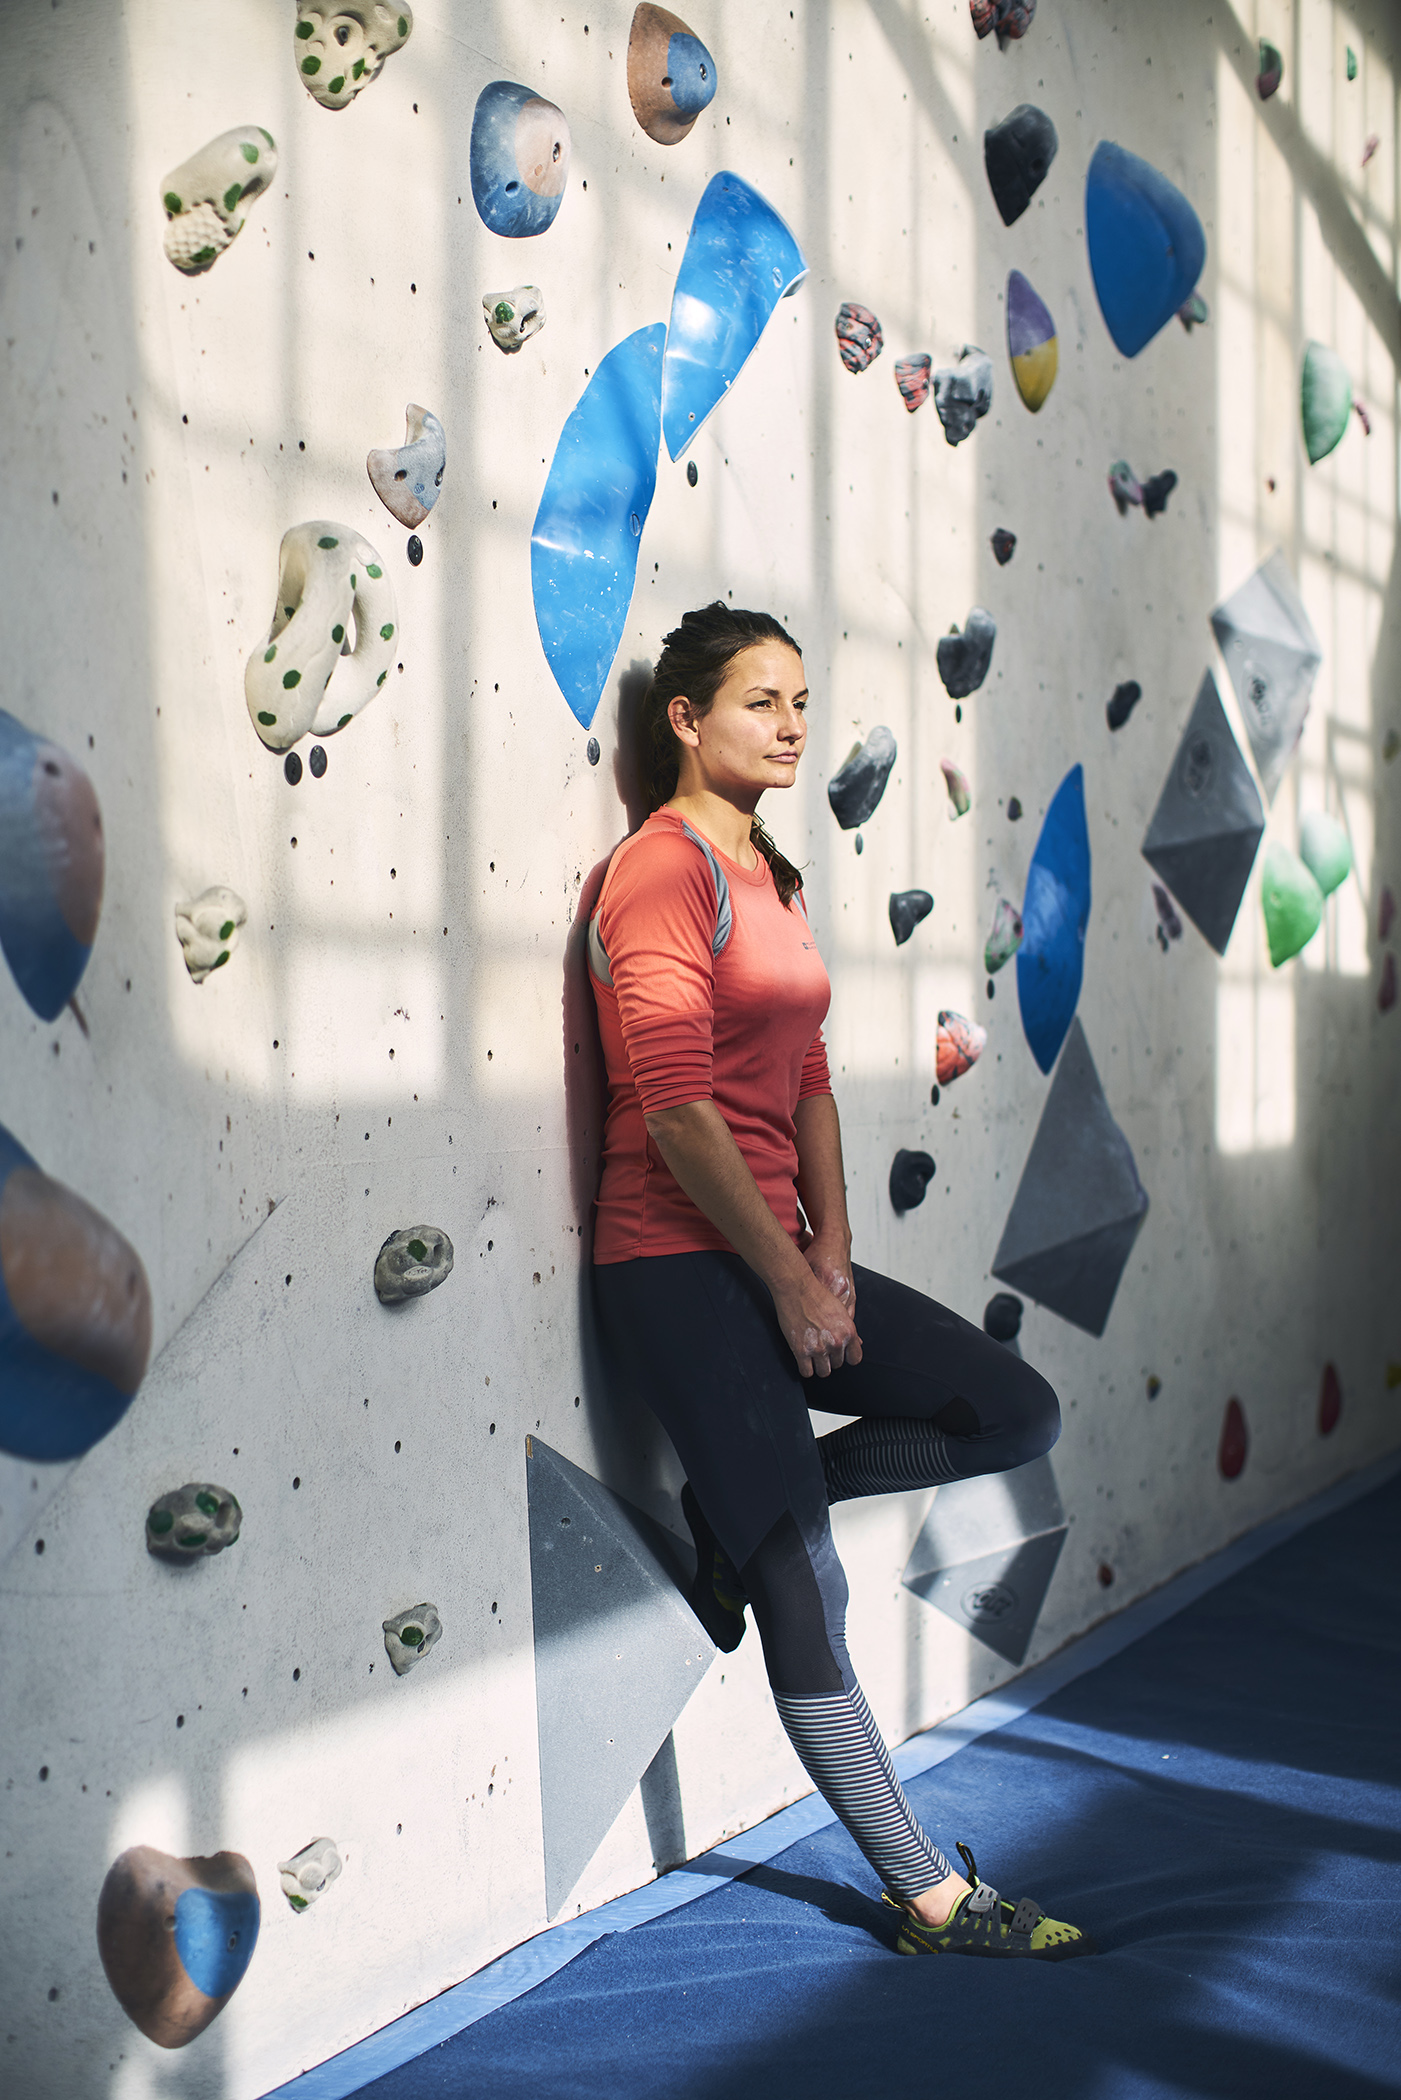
x,y
887,1455
844,1755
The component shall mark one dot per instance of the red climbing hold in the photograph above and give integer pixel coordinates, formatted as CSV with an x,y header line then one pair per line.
x,y
1330,1401
1235,1442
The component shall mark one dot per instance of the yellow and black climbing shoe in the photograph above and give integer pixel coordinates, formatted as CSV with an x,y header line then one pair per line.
x,y
982,1923
717,1596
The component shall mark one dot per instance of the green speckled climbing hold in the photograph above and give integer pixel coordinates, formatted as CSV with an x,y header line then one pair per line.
x,y
1325,850
1292,900
1325,401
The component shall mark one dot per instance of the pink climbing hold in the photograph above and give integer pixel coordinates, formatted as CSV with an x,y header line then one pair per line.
x,y
1370,148
958,1046
859,337
1362,416
912,378
1235,1442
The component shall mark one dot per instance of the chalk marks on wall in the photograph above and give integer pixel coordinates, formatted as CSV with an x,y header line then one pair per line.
x,y
342,48
671,75
855,789
964,659
958,1046
519,159
412,1262
306,675
193,1522
859,338
310,1872
1032,344
52,862
740,260
513,317
411,1635
1055,915
408,477
963,393
588,529
206,198
907,908
1079,1204
176,1937
1207,826
1325,401
618,1652
75,1315
1017,154
987,1550
910,1176
207,928
1272,655
1292,902
1146,245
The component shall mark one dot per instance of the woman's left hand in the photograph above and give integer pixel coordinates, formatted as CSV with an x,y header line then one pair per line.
x,y
830,1262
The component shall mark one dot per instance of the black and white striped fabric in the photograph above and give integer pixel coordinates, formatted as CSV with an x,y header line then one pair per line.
x,y
847,1761
888,1455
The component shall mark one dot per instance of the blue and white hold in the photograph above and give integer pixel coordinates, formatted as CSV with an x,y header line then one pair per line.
x,y
671,75
519,159
52,860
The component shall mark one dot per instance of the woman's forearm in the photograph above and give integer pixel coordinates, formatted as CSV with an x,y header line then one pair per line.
x,y
696,1143
821,1177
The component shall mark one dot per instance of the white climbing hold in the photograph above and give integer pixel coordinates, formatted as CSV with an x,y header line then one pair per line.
x,y
335,614
308,1872
409,1635
207,929
340,50
514,316
407,477
206,197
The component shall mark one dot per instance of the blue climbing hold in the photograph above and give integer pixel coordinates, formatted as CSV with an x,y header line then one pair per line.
x,y
51,867
740,260
588,529
519,159
216,1931
1146,245
1055,913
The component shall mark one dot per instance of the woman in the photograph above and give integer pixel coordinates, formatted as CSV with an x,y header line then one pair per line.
x,y
732,1315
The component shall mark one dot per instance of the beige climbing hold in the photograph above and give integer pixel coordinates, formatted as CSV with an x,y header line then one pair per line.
x,y
335,615
206,197
207,929
407,477
514,316
340,50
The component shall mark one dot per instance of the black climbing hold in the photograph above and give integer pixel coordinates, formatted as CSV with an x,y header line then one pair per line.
x,y
857,786
910,1175
415,549
992,989
291,769
1014,809
692,472
1126,699
860,843
963,659
1017,154
1002,1316
317,760
1004,545
1156,491
593,751
934,1096
958,714
907,908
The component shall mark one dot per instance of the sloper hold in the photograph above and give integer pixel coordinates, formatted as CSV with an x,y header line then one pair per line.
x,y
1017,154
958,1046
740,260
1055,914
408,477
859,338
1270,70
907,908
176,1937
618,1653
588,529
1146,245
340,49
963,393
912,378
52,861
1208,822
1032,345
206,197
987,1550
193,1522
1079,1204
304,676
1292,902
964,659
1325,401
856,789
75,1316
671,75
910,1175
519,159
960,800
1325,850
1272,655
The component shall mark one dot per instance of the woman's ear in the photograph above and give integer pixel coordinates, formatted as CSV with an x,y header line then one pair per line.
x,y
682,718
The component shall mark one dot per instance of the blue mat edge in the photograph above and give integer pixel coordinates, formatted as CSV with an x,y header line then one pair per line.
x,y
535,1960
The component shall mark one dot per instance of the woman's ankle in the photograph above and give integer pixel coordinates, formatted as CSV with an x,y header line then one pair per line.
x,y
935,1906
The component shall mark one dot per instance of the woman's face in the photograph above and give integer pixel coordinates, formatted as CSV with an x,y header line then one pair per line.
x,y
753,734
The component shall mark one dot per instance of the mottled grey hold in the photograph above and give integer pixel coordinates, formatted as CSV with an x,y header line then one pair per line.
x,y
987,1551
1017,154
292,768
910,1175
409,1635
413,1261
592,751
1208,822
1002,1316
1125,700
963,393
963,659
907,908
1273,655
1079,1204
193,1521
855,790
316,761
692,472
415,549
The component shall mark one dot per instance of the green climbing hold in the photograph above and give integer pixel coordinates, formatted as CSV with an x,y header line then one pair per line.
x,y
250,153
305,29
1351,63
386,633
311,65
334,86
291,678
266,719
1293,903
269,653
160,1521
327,541
373,569
232,195
1325,850
338,632
172,202
224,931
1325,399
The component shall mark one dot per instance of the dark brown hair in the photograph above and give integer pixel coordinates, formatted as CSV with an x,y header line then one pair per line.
x,y
694,660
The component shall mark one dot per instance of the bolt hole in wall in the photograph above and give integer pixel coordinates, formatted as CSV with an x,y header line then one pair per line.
x,y
1096,823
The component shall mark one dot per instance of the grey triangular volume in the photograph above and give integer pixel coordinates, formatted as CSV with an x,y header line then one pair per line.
x,y
1208,822
1273,655
998,1596
968,1518
1079,1203
618,1652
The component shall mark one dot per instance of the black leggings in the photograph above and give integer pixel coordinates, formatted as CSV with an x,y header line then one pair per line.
x,y
938,1400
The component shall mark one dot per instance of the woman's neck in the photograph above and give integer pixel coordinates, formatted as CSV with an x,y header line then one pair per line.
x,y
719,821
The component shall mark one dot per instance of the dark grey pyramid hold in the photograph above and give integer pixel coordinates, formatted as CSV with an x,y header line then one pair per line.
x,y
857,788
1079,1204
1207,825
1017,154
910,1175
1002,1318
1156,491
986,1554
1125,700
964,658
907,908
618,1652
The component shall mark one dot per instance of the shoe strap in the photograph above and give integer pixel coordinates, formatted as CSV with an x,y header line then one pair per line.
x,y
983,1900
1027,1916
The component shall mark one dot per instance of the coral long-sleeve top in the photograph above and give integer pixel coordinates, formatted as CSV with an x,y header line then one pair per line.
x,y
708,989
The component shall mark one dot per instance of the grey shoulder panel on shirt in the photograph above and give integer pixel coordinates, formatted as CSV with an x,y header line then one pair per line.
x,y
724,914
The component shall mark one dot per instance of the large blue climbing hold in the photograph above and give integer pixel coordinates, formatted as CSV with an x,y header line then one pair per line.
x,y
1146,245
519,159
216,1931
1055,913
740,260
588,529
51,867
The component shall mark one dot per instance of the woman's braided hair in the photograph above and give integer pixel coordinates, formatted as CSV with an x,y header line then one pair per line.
x,y
695,657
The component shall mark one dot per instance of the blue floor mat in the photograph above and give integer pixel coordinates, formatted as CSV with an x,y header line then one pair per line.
x,y
1220,1805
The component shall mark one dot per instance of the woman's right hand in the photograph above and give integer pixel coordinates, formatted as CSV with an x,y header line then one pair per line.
x,y
816,1326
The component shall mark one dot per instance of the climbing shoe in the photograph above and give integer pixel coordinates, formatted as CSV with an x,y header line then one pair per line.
x,y
717,1596
982,1923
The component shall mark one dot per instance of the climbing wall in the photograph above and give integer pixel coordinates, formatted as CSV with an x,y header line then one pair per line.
x,y
376,389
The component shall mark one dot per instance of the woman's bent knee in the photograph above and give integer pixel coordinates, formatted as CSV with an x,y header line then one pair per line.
x,y
1034,1419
